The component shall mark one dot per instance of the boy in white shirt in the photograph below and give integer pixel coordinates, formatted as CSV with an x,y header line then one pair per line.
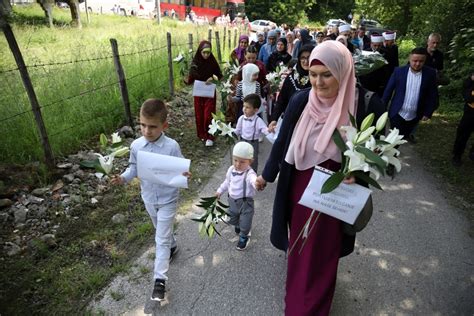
x,y
250,126
160,200
240,183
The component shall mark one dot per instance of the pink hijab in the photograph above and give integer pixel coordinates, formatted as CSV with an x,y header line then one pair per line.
x,y
311,143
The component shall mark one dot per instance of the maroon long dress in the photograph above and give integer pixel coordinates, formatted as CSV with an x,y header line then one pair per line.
x,y
311,277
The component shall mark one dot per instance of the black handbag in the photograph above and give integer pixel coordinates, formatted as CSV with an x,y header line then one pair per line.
x,y
361,221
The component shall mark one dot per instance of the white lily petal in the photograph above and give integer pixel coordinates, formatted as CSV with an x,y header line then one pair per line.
x,y
116,138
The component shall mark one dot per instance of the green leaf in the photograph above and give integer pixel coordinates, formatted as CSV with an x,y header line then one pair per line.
x,y
369,154
366,178
353,120
210,231
334,180
338,140
90,164
103,140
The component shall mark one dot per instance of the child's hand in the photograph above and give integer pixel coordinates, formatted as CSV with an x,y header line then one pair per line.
x,y
218,195
272,126
115,180
187,174
260,183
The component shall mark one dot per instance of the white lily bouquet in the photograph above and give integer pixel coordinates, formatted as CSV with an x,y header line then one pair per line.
x,y
112,148
362,152
184,60
215,211
275,79
224,86
218,125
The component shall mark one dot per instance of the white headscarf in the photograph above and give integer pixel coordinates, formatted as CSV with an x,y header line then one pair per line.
x,y
249,86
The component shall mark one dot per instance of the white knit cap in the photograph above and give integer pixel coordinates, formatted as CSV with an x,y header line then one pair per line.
x,y
389,36
376,38
243,150
344,28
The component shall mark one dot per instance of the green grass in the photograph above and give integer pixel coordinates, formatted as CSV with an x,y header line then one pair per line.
x,y
81,99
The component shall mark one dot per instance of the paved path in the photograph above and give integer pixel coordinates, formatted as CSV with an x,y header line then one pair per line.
x,y
414,258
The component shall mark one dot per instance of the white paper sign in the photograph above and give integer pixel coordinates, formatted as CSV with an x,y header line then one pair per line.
x,y
162,169
344,203
273,136
202,89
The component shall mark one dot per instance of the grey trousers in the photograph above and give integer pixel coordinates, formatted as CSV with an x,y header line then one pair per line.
x,y
241,214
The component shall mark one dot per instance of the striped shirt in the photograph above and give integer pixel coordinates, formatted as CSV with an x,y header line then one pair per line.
x,y
239,95
153,193
412,95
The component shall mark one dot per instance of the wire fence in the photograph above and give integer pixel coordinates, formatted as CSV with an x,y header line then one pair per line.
x,y
95,90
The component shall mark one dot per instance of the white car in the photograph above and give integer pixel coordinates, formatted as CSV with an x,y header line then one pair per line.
x,y
261,25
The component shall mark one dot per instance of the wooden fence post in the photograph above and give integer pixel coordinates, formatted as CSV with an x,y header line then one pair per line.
x,y
235,37
209,36
122,82
190,41
170,63
230,46
223,40
218,46
35,107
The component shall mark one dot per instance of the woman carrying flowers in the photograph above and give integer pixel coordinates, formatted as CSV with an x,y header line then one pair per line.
x,y
203,67
305,141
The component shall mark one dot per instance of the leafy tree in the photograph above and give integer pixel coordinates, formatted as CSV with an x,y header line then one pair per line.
x,y
330,9
280,11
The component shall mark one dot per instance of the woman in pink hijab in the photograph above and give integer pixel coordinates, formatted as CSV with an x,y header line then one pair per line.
x,y
304,142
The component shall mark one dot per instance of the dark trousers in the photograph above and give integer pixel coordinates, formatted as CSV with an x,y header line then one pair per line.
x,y
405,127
465,129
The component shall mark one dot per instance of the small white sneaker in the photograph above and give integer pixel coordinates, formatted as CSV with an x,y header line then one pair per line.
x,y
209,143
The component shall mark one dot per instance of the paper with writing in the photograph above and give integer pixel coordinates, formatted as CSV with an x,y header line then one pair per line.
x,y
202,89
344,203
162,169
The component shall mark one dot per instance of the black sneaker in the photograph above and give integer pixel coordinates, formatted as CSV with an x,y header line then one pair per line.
x,y
237,230
158,291
173,252
243,242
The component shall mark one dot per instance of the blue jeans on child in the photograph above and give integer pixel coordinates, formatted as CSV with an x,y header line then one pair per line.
x,y
162,217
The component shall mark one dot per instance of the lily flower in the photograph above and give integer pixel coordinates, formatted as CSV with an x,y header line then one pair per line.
x,y
227,130
364,136
178,58
213,127
393,139
381,122
106,162
116,138
351,133
122,151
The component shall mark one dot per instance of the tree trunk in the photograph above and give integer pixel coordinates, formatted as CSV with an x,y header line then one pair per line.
x,y
75,15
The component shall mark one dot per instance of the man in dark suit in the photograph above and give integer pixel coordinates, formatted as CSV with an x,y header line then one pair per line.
x,y
414,93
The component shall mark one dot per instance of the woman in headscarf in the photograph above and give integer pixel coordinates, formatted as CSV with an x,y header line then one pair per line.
x,y
279,56
305,38
304,142
267,49
203,66
249,84
290,38
297,80
238,54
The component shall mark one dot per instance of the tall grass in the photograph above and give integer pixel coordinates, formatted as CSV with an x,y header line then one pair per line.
x,y
81,99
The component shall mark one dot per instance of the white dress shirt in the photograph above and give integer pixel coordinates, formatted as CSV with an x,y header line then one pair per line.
x,y
234,183
412,95
153,193
250,128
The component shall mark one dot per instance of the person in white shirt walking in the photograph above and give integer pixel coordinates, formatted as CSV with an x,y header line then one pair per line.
x,y
240,182
160,200
250,126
